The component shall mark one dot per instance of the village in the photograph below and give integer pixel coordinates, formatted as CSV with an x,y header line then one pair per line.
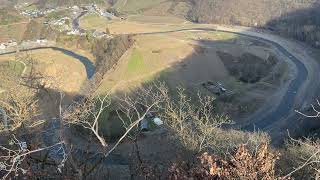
x,y
68,25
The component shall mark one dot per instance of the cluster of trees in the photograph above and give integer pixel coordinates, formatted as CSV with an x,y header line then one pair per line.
x,y
303,25
243,12
108,52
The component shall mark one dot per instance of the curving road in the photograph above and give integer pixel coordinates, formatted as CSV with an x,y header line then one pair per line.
x,y
272,113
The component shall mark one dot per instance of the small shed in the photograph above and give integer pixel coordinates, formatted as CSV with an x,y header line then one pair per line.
x,y
144,125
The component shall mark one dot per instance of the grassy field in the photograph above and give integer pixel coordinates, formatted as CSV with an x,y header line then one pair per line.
x,y
12,25
133,6
57,15
14,31
136,62
94,21
30,7
62,71
156,19
16,66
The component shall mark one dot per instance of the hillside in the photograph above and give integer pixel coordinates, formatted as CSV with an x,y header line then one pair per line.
x,y
297,19
294,18
243,12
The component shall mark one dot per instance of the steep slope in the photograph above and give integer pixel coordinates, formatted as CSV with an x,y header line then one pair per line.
x,y
295,18
243,12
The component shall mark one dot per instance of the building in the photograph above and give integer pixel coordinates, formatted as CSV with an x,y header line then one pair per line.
x,y
12,43
2,46
42,40
73,32
98,34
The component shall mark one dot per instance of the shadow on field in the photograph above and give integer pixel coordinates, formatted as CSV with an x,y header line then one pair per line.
x,y
239,72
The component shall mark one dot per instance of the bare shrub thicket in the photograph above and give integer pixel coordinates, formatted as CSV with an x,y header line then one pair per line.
x,y
15,158
19,97
301,157
242,165
196,124
19,102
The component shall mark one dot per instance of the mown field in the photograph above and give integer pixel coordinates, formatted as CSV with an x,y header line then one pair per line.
x,y
94,21
62,71
134,6
16,66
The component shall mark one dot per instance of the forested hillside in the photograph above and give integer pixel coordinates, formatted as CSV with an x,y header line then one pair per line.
x,y
296,18
243,12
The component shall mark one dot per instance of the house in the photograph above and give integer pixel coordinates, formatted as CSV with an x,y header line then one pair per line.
x,y
12,43
41,40
144,125
75,8
73,32
2,46
107,15
82,32
98,34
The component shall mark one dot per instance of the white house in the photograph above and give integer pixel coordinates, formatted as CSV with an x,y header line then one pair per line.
x,y
12,43
42,40
2,46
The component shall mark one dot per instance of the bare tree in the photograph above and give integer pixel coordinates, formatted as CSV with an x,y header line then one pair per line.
x,y
193,122
315,110
13,157
306,151
86,113
18,101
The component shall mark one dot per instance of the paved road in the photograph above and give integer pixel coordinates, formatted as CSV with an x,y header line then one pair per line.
x,y
287,102
75,21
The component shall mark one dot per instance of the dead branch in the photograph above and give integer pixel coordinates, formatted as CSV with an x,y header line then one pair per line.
x,y
312,161
314,109
86,113
11,161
